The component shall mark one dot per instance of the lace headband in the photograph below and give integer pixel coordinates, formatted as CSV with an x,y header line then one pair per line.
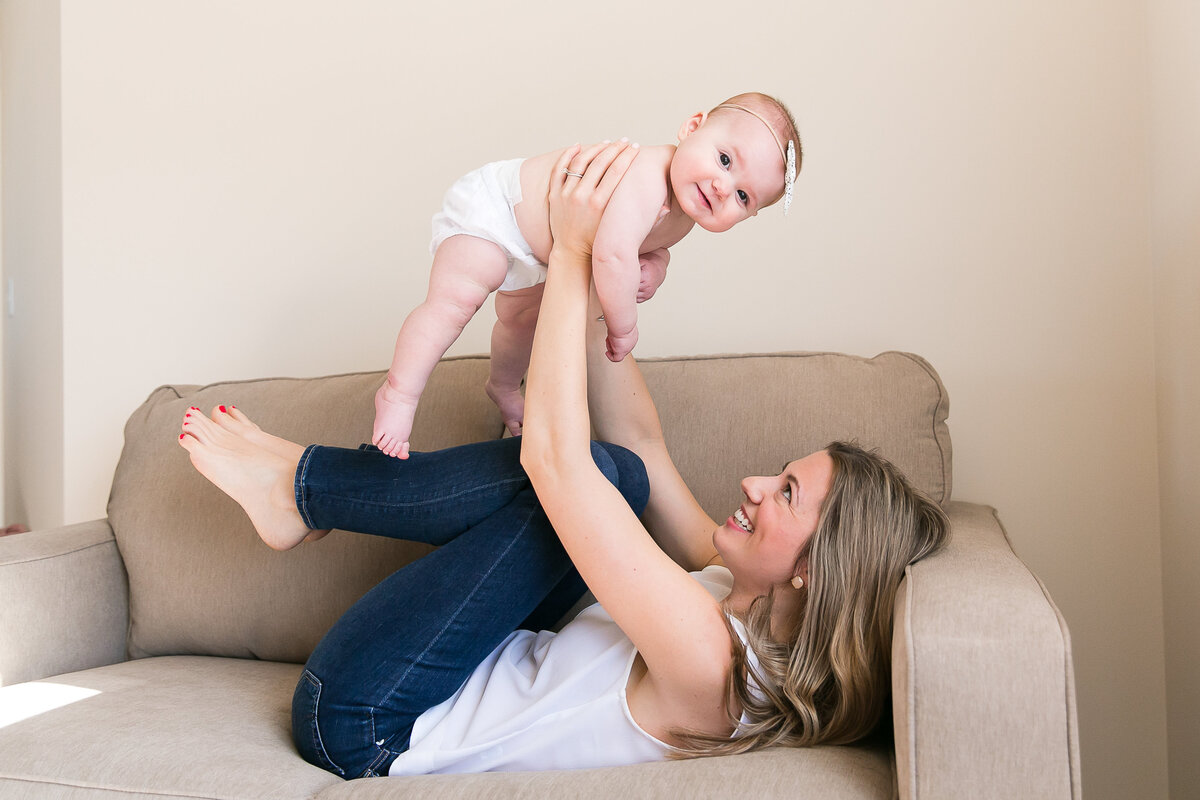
x,y
788,153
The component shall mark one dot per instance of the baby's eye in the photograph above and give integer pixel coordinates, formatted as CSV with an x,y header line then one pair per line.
x,y
725,160
745,198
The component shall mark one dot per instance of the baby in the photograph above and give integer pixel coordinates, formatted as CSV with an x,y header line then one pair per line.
x,y
493,235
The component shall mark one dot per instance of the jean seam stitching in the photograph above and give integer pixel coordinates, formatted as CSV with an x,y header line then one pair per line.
x,y
301,498
381,755
318,741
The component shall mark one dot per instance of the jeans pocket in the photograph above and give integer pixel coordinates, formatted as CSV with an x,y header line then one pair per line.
x,y
305,731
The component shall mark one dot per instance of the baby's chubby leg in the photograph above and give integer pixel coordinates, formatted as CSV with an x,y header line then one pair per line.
x,y
512,342
465,271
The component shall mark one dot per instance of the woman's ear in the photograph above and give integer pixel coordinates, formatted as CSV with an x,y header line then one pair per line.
x,y
691,124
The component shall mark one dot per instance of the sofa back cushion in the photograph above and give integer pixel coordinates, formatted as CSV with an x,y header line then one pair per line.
x,y
201,581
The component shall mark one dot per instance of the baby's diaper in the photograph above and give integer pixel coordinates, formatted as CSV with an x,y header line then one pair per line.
x,y
480,204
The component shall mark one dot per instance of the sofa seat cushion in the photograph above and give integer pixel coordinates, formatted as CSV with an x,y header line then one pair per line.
x,y
198,727
818,773
177,727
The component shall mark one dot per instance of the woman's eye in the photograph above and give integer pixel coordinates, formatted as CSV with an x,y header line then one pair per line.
x,y
745,198
787,493
725,162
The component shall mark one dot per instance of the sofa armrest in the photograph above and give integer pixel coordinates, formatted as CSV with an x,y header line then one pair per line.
x,y
64,602
983,686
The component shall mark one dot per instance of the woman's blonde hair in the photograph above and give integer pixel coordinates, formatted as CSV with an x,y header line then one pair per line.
x,y
829,682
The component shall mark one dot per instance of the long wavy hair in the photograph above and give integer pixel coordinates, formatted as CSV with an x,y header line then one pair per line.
x,y
829,681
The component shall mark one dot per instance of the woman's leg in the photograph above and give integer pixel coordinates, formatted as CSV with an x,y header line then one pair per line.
x,y
428,497
289,491
260,471
411,641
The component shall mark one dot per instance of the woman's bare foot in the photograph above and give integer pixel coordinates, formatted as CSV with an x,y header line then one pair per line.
x,y
255,469
231,417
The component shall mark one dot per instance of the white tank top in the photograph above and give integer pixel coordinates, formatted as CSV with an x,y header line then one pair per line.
x,y
546,701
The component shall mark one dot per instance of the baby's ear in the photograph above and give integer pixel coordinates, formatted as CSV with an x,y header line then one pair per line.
x,y
691,124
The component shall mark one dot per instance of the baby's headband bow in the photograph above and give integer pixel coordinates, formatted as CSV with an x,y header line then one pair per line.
x,y
788,153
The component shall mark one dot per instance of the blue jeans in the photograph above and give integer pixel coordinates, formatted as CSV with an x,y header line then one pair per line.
x,y
412,641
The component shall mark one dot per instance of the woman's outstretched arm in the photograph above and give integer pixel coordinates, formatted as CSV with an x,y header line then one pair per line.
x,y
674,622
623,412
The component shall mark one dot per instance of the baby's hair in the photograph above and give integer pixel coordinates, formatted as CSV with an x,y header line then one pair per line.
x,y
775,113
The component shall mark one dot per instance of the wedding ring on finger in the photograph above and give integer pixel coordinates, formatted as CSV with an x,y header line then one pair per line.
x,y
573,174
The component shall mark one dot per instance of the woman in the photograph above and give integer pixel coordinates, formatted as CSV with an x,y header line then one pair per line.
x,y
781,636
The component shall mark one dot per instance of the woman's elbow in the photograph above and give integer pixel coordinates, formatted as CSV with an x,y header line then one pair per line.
x,y
540,458
533,453
549,463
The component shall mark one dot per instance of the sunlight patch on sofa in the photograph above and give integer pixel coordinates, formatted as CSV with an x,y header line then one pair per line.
x,y
27,700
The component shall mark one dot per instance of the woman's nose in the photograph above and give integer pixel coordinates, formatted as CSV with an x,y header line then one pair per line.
x,y
752,488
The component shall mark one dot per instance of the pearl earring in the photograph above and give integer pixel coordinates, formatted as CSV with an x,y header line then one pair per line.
x,y
798,582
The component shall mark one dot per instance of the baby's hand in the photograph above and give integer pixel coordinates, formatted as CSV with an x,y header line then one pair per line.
x,y
393,421
617,347
654,272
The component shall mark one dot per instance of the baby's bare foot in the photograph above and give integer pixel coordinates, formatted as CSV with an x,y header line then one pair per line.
x,y
258,479
394,412
511,404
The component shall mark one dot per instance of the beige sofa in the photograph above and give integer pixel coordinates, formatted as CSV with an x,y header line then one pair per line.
x,y
154,653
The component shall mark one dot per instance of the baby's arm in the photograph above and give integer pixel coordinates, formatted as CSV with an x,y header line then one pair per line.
x,y
616,268
465,271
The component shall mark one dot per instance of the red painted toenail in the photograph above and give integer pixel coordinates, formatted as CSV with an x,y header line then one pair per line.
x,y
223,411
181,436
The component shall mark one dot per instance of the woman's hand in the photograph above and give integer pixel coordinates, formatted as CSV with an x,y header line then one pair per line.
x,y
581,185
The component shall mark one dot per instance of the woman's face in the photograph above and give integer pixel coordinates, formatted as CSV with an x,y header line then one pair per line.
x,y
761,541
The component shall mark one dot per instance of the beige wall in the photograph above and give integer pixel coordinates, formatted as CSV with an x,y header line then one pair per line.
x,y
32,253
3,514
246,189
1175,219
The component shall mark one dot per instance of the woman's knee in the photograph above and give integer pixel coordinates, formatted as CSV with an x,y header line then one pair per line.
x,y
624,470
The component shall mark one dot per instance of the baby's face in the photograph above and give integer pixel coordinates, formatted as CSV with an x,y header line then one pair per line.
x,y
726,169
